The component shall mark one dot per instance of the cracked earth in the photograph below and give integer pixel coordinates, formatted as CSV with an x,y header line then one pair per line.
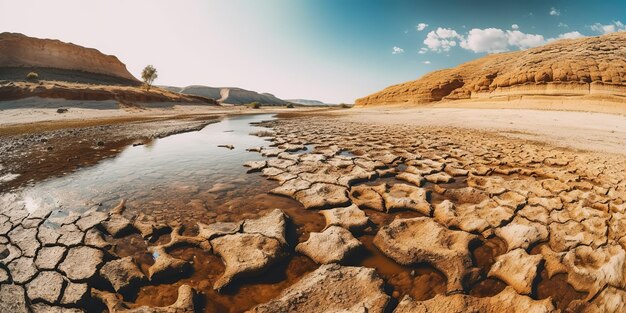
x,y
374,218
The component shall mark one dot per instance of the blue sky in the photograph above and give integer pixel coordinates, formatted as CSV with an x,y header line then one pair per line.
x,y
330,50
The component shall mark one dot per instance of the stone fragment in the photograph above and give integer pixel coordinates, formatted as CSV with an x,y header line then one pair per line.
x,y
245,255
70,235
49,257
511,199
123,274
166,267
81,263
418,240
351,218
214,230
184,304
290,187
516,268
402,196
331,288
45,287
610,300
12,299
95,239
25,239
322,195
506,301
333,245
117,225
439,178
522,233
272,224
22,270
255,166
368,197
91,219
590,269
74,294
414,179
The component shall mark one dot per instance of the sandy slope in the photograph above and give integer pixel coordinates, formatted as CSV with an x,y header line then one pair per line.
x,y
578,130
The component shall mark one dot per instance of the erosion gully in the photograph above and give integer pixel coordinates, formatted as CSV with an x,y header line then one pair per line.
x,y
186,178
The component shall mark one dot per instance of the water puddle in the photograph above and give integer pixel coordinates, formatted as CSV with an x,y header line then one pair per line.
x,y
167,172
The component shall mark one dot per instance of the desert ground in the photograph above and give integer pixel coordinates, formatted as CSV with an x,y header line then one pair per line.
x,y
354,210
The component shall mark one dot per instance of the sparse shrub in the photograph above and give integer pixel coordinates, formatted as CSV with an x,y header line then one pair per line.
x,y
345,106
254,105
290,106
149,74
32,76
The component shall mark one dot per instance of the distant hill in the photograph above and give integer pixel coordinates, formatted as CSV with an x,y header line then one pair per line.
x,y
57,60
229,95
308,102
590,68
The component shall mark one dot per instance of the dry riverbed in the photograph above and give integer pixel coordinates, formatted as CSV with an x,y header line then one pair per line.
x,y
345,215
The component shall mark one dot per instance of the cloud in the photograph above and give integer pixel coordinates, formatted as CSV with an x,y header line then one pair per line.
x,y
494,40
615,26
571,35
554,12
489,40
524,41
426,62
442,39
563,25
397,50
421,26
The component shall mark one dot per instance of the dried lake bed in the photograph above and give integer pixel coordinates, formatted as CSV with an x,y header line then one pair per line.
x,y
345,215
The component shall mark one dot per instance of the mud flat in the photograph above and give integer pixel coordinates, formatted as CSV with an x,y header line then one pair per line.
x,y
346,215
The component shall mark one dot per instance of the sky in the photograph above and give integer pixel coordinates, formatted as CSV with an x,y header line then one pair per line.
x,y
329,50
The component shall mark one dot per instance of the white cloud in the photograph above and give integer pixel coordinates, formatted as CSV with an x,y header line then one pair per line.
x,y
426,62
423,50
563,25
397,50
524,41
571,35
515,26
555,12
615,26
442,39
421,26
490,40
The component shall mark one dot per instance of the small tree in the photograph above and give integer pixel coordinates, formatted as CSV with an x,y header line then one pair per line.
x,y
149,74
32,76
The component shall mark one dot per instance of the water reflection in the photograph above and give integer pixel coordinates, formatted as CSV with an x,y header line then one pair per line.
x,y
180,165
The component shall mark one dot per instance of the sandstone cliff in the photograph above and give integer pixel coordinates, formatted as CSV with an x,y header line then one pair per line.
x,y
574,68
62,61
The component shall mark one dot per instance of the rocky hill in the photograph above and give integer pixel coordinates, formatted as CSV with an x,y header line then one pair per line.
x,y
588,68
308,102
57,60
229,95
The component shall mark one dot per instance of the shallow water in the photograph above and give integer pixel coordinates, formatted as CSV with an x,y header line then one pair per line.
x,y
182,165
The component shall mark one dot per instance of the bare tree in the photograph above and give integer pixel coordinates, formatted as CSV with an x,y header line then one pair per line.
x,y
149,74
